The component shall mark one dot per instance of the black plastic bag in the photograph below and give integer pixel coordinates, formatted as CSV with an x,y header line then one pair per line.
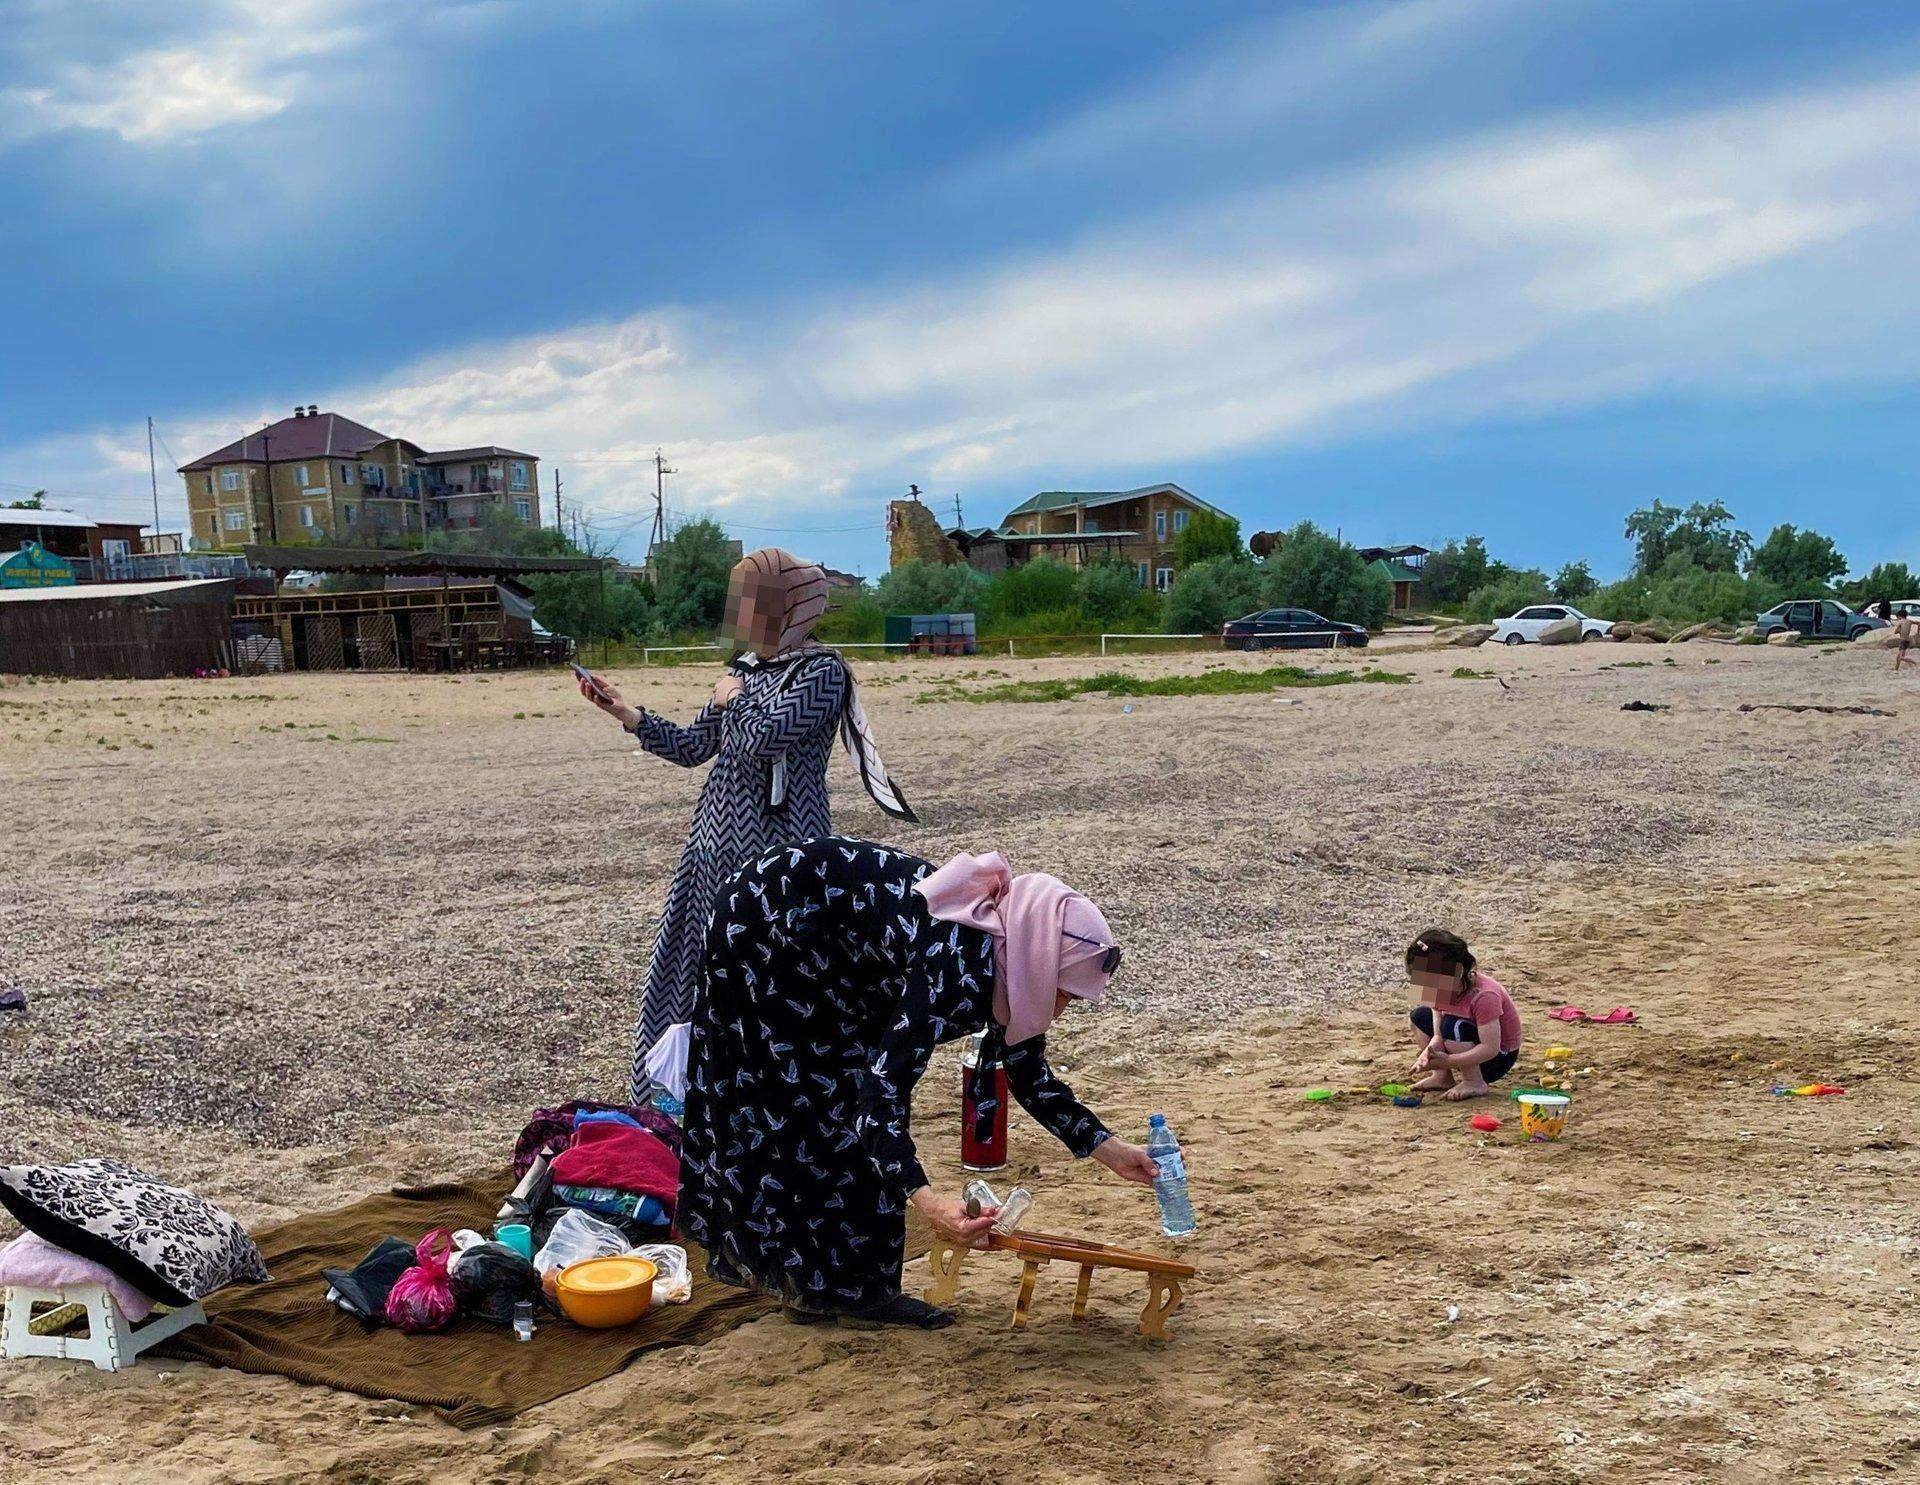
x,y
490,1279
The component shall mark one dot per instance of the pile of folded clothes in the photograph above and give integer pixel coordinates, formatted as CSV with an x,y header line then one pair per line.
x,y
615,1164
621,1163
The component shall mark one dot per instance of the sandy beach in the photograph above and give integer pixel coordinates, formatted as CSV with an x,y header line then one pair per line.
x,y
290,940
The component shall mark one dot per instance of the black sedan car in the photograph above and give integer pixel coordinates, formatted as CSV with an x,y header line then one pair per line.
x,y
1290,629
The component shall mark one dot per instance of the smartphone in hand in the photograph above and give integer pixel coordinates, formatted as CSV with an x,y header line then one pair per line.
x,y
592,685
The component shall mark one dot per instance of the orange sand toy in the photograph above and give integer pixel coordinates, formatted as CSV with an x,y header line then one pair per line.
x,y
1037,1249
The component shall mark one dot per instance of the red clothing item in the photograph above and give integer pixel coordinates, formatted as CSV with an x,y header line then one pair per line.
x,y
619,1156
1487,1001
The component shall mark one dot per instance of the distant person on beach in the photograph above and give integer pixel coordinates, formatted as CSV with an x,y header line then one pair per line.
x,y
1902,639
1466,1023
833,969
770,727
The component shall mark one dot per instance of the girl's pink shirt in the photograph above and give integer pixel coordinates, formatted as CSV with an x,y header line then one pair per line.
x,y
1488,1001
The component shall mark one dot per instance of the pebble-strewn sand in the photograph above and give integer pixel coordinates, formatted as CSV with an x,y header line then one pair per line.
x,y
289,939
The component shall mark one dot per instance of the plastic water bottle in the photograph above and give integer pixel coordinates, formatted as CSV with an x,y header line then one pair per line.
x,y
1170,1186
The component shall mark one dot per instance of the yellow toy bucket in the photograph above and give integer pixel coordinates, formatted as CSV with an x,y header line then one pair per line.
x,y
1543,1116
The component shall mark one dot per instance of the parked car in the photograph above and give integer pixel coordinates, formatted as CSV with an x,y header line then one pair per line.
x,y
1289,629
1525,626
1817,618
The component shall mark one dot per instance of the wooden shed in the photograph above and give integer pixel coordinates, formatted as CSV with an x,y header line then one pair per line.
x,y
139,630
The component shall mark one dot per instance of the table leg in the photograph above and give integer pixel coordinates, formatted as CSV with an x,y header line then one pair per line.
x,y
1163,1298
1029,1271
1080,1293
944,1260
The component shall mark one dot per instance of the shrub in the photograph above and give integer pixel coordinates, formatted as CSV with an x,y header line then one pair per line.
x,y
1315,571
1506,595
930,588
1209,593
1040,586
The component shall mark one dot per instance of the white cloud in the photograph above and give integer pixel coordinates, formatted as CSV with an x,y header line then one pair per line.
x,y
96,67
1505,272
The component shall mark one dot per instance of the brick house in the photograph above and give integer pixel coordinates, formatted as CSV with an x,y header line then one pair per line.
x,y
1081,527
323,477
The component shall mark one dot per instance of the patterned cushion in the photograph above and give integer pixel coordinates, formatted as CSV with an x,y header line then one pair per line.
x,y
166,1242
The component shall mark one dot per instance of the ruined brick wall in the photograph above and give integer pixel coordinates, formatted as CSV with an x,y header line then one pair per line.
x,y
916,536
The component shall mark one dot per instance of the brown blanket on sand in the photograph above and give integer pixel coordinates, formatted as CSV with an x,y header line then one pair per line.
x,y
473,1374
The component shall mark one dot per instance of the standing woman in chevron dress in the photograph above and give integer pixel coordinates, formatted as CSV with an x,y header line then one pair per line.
x,y
769,730
834,968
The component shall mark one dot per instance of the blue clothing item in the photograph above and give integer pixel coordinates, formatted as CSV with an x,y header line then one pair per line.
x,y
610,1201
606,1116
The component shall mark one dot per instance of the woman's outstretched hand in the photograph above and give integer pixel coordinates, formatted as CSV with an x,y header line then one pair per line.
x,y
602,694
1128,1162
947,1215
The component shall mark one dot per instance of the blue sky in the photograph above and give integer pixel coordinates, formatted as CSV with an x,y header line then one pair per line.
x,y
1407,269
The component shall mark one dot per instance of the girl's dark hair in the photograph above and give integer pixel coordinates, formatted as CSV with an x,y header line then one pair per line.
x,y
1438,950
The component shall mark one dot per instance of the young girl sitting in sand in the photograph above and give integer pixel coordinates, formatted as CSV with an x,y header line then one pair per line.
x,y
1466,1022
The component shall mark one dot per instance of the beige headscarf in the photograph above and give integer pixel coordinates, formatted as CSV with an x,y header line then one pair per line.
x,y
774,602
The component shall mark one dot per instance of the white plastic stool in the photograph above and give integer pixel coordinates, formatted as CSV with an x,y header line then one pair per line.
x,y
110,1342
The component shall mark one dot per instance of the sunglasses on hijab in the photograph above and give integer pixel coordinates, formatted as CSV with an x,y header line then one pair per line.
x,y
1109,961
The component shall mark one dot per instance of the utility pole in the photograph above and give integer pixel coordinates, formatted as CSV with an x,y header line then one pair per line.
x,y
659,532
266,460
153,479
957,521
558,523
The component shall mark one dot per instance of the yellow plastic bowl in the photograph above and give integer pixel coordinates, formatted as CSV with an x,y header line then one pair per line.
x,y
602,1293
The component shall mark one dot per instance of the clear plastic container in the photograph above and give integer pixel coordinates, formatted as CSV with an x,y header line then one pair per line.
x,y
1019,1202
1170,1186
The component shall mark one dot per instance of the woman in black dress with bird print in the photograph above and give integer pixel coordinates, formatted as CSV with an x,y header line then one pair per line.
x,y
770,729
833,968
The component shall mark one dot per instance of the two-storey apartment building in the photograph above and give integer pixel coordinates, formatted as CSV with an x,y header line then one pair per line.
x,y
1080,527
323,477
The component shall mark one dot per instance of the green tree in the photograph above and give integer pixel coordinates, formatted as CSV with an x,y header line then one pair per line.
x,y
1704,534
1207,594
1799,561
1207,536
690,579
588,605
36,501
1453,572
1574,582
1507,594
1893,580
1316,571
930,588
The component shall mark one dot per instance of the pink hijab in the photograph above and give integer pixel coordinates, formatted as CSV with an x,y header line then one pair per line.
x,y
1029,916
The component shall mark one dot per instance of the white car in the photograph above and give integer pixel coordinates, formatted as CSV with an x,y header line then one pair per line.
x,y
1525,626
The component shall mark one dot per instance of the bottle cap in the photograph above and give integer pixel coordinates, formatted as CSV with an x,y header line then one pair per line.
x,y
1156,1119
